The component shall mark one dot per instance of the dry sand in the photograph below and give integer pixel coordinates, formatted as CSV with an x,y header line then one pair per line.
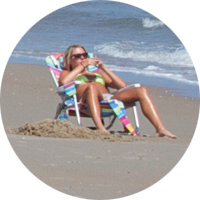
x,y
82,162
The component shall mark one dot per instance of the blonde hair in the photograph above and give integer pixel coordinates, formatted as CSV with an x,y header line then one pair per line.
x,y
69,53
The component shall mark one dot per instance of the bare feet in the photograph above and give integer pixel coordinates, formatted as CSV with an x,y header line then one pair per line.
x,y
164,132
104,130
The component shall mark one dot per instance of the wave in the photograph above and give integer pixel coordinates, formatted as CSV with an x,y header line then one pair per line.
x,y
155,23
153,60
176,56
147,23
153,71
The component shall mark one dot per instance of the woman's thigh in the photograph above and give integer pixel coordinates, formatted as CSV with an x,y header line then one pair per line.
x,y
93,90
130,95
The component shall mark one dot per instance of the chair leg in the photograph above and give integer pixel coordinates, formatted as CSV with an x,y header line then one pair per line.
x,y
112,122
78,117
58,111
60,107
136,118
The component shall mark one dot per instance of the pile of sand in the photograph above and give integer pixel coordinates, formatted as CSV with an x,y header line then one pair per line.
x,y
65,129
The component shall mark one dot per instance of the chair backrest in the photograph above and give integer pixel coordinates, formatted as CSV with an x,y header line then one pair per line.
x,y
54,62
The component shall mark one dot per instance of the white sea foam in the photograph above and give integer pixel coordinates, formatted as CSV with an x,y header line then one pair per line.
x,y
152,67
153,71
151,23
138,52
176,58
30,54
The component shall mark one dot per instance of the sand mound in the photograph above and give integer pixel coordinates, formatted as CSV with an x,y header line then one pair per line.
x,y
65,129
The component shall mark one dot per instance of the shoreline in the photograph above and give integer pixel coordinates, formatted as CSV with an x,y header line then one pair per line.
x,y
174,87
155,82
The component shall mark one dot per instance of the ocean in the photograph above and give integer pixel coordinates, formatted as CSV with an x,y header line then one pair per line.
x,y
131,42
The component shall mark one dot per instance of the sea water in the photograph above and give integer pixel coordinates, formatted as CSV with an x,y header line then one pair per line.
x,y
131,42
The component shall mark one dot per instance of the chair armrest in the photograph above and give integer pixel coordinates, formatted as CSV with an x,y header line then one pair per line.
x,y
134,85
69,89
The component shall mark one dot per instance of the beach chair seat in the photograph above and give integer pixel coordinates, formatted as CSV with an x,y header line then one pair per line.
x,y
69,105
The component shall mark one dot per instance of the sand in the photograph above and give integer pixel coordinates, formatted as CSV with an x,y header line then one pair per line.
x,y
83,162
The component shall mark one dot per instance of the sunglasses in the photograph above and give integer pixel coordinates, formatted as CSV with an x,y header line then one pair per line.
x,y
79,55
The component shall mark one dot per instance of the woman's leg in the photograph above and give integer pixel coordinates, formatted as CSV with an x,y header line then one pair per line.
x,y
93,96
148,108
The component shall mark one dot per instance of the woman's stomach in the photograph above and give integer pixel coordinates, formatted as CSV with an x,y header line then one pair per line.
x,y
84,86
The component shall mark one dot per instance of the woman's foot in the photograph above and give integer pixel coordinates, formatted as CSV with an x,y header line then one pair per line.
x,y
164,132
103,130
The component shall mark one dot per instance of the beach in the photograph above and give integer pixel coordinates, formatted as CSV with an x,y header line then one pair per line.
x,y
95,167
100,167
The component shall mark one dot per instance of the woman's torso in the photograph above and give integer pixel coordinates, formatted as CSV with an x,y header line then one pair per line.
x,y
88,78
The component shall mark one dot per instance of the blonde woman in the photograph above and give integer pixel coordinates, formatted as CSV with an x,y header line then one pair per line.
x,y
93,88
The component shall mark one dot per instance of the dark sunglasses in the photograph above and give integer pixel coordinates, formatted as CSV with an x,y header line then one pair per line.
x,y
79,55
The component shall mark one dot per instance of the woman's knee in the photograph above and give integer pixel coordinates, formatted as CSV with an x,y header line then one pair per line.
x,y
142,91
92,88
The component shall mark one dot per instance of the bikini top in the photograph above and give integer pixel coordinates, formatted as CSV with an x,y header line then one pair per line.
x,y
97,78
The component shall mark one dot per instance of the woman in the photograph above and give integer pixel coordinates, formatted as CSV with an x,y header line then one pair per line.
x,y
93,88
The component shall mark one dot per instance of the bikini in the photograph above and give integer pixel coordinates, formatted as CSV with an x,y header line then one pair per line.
x,y
98,79
83,79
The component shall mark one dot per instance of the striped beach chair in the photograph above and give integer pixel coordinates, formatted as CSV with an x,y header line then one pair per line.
x,y
71,107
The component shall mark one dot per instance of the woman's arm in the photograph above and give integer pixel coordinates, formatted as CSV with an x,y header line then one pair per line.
x,y
68,76
112,80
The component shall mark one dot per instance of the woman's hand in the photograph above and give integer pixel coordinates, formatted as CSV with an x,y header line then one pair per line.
x,y
90,61
99,64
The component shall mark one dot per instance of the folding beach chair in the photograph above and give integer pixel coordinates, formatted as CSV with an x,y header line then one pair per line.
x,y
71,107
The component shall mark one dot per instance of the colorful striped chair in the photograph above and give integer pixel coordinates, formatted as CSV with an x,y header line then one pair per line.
x,y
71,107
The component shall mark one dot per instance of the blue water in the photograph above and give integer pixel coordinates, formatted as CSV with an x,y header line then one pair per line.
x,y
133,43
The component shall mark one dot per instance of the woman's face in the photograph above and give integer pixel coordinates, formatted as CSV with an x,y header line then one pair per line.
x,y
77,57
